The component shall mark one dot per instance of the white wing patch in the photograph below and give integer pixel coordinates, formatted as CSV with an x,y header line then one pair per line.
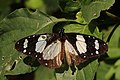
x,y
25,44
40,45
96,44
52,50
97,52
70,48
24,51
42,37
80,38
81,45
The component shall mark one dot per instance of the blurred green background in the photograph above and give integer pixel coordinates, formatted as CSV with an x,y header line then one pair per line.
x,y
19,18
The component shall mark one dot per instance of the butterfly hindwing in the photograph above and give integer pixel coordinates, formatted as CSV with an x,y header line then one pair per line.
x,y
83,47
52,55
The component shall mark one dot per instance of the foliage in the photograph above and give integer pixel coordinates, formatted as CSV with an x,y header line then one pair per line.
x,y
92,17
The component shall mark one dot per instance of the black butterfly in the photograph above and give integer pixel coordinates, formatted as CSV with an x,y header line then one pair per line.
x,y
50,49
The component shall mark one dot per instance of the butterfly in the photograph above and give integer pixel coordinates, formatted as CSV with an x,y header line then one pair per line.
x,y
51,49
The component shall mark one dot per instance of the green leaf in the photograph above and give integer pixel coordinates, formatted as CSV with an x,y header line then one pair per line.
x,y
110,73
34,4
117,73
51,6
83,29
108,32
22,23
114,52
71,6
67,75
6,4
117,70
45,73
17,25
4,8
2,77
88,72
102,71
91,9
117,62
47,6
75,28
107,71
114,44
4,12
80,19
20,68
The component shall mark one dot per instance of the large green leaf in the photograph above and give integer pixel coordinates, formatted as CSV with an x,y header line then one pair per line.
x,y
91,8
17,25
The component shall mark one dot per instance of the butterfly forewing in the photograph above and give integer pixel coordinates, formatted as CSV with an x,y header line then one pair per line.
x,y
83,47
31,44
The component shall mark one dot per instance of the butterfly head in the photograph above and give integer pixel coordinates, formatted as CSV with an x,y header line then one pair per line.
x,y
61,33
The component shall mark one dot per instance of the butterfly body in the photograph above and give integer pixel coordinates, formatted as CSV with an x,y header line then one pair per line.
x,y
50,49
